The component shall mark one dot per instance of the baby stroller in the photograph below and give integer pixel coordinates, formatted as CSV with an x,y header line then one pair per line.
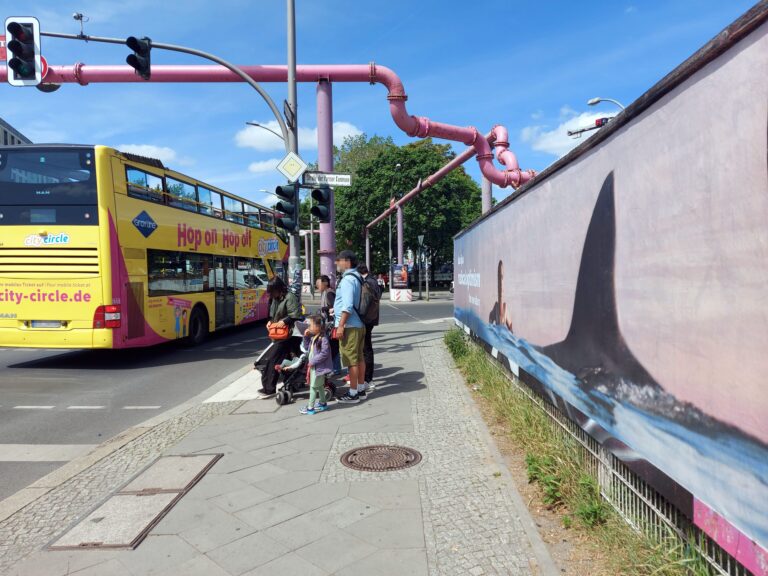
x,y
293,379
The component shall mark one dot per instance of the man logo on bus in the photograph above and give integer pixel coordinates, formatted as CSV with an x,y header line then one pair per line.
x,y
145,224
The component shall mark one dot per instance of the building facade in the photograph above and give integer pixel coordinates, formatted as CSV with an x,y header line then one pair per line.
x,y
11,136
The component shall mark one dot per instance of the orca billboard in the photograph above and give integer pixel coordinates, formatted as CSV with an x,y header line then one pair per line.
x,y
629,283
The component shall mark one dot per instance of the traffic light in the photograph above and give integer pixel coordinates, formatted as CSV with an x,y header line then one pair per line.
x,y
322,208
24,45
288,205
139,60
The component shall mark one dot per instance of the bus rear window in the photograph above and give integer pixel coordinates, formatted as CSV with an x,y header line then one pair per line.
x,y
47,186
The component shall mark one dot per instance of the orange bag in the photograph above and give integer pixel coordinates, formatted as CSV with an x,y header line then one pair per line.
x,y
278,332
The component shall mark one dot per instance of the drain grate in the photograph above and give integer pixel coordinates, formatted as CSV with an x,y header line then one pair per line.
x,y
380,458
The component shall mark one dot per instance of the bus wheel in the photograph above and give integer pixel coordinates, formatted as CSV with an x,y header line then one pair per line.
x,y
198,327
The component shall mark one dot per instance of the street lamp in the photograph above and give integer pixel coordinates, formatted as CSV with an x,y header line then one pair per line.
x,y
265,128
594,101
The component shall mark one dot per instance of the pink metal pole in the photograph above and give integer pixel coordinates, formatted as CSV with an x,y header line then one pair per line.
x,y
418,126
487,195
367,249
429,181
399,234
325,164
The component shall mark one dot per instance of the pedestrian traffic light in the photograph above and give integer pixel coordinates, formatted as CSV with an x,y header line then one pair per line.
x,y
288,205
25,67
140,59
322,196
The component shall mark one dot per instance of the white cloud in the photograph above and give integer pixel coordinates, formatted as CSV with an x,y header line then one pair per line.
x,y
537,115
556,141
264,141
163,153
263,165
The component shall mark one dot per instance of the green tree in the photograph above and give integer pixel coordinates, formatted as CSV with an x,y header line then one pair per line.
x,y
438,213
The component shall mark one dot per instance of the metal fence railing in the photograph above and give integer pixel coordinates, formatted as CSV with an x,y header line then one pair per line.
x,y
637,502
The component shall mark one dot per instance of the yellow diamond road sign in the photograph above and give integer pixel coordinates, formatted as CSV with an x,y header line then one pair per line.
x,y
292,166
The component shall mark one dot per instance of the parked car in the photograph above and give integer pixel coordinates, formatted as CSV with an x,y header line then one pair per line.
x,y
451,286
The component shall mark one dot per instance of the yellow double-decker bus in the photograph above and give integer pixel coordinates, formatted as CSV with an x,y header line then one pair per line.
x,y
103,249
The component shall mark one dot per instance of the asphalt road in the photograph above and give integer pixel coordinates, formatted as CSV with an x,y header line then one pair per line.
x,y
56,405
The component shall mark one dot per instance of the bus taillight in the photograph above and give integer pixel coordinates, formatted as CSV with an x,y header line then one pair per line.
x,y
107,317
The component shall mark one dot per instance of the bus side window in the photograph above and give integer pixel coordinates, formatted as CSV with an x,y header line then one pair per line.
x,y
251,215
216,204
204,201
181,194
144,185
233,210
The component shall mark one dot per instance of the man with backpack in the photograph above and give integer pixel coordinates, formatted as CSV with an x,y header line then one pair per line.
x,y
349,327
372,292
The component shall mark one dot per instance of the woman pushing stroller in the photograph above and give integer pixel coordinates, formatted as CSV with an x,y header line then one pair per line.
x,y
284,311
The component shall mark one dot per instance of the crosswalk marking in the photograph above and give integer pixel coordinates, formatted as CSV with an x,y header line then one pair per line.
x,y
85,407
244,388
34,407
140,407
438,320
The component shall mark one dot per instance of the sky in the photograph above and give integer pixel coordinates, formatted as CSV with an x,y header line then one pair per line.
x,y
528,65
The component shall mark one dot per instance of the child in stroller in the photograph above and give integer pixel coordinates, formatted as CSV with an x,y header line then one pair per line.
x,y
293,375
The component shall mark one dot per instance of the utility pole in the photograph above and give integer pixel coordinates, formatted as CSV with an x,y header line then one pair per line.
x,y
292,121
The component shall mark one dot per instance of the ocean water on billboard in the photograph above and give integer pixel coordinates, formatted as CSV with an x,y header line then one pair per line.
x,y
724,469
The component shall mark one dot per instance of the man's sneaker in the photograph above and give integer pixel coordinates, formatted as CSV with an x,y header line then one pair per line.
x,y
307,410
361,393
349,399
263,394
370,386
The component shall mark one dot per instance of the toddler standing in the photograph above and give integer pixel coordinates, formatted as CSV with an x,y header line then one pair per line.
x,y
320,364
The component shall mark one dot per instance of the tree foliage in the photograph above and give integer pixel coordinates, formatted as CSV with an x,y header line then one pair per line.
x,y
438,213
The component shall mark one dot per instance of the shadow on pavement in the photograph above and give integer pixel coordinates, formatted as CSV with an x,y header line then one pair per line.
x,y
241,342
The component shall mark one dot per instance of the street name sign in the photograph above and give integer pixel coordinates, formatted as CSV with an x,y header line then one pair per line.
x,y
331,179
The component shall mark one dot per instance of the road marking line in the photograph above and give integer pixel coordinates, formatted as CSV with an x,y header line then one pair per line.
x,y
43,452
34,407
140,407
85,407
402,311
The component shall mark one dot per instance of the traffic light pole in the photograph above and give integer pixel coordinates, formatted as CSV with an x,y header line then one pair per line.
x,y
325,164
292,136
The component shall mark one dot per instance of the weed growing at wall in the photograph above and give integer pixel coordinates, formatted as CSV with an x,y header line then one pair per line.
x,y
555,463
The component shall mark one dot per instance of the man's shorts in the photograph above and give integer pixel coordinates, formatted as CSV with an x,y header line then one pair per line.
x,y
351,346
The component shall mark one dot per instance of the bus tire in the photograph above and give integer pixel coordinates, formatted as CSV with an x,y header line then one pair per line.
x,y
198,326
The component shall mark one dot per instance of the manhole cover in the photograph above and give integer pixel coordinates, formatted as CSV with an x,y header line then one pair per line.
x,y
380,458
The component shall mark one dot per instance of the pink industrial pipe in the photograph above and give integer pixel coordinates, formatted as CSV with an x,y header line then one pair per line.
x,y
418,126
429,182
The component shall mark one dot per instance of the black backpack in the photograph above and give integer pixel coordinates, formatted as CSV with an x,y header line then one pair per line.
x,y
368,308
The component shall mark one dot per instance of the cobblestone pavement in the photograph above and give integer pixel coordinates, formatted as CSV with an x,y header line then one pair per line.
x,y
280,502
33,526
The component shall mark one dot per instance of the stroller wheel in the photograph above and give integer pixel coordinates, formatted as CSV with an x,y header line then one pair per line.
x,y
282,397
330,391
289,397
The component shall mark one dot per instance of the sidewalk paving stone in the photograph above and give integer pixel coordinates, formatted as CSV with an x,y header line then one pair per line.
x,y
279,502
